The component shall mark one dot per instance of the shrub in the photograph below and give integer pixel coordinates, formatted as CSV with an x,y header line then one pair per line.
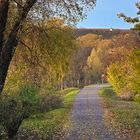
x,y
51,125
30,98
126,94
108,92
16,107
12,113
134,75
49,102
124,75
115,75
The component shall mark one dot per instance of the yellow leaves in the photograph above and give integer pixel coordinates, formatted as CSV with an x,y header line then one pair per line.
x,y
125,73
54,23
45,55
89,40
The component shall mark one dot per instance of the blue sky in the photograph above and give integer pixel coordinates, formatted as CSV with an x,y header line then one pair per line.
x,y
104,15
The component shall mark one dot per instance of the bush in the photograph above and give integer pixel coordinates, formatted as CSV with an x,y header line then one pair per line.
x,y
12,113
126,94
30,98
107,92
49,102
51,125
115,76
16,107
124,75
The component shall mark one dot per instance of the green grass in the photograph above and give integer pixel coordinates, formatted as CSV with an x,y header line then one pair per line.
x,y
67,90
47,125
124,116
69,98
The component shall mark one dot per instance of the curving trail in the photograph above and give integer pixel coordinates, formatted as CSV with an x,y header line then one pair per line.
x,y
87,117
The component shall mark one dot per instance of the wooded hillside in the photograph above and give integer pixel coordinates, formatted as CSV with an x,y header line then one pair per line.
x,y
106,33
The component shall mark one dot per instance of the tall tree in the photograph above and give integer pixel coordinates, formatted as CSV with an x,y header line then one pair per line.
x,y
73,10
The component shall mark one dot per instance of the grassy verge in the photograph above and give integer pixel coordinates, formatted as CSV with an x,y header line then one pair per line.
x,y
69,98
50,125
67,90
124,116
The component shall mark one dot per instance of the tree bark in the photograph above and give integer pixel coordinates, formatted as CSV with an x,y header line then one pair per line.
x,y
4,4
9,47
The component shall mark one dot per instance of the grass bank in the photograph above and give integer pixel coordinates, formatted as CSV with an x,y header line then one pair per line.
x,y
50,125
124,116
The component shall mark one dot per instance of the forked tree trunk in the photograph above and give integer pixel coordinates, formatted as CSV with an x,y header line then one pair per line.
x,y
7,49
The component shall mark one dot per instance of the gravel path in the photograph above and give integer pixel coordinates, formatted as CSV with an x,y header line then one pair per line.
x,y
87,117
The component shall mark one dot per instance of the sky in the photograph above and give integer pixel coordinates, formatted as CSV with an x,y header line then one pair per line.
x,y
104,15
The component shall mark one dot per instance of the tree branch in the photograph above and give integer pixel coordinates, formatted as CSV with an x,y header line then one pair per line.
x,y
19,4
9,47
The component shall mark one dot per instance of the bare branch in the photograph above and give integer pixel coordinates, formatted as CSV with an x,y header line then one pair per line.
x,y
19,4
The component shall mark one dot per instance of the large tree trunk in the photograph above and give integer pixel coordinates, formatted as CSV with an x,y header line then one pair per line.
x,y
4,4
8,48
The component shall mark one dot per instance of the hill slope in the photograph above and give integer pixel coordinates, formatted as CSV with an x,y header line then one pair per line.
x,y
106,33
